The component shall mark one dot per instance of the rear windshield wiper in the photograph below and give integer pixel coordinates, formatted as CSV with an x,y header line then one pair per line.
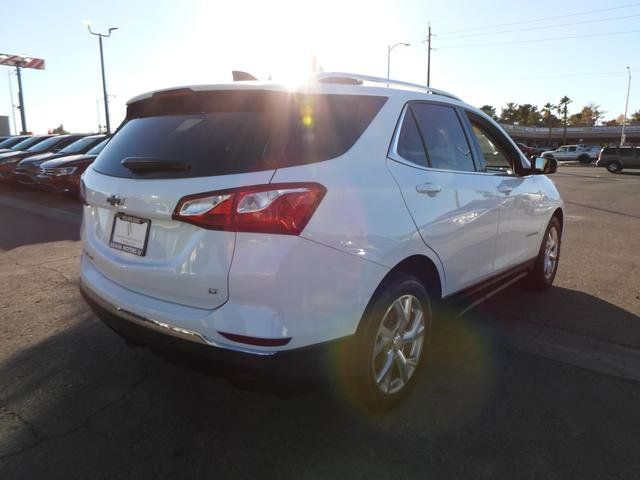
x,y
148,165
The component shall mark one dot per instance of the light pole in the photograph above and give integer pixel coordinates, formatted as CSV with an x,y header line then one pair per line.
x,y
13,106
104,82
389,48
626,108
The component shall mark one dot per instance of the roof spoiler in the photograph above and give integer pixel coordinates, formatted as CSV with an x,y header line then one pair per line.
x,y
240,76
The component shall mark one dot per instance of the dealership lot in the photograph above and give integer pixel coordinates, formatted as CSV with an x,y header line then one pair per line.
x,y
76,402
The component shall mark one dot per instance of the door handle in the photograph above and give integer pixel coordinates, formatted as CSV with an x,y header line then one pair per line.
x,y
505,189
428,188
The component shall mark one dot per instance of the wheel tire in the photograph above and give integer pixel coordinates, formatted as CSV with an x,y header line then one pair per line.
x,y
365,366
584,159
543,273
614,167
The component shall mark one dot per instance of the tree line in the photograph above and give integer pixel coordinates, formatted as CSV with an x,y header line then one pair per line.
x,y
556,115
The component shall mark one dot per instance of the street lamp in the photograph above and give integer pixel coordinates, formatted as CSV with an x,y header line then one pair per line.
x,y
389,48
104,82
626,107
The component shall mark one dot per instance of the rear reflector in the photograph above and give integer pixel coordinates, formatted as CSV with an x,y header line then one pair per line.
x,y
261,342
283,208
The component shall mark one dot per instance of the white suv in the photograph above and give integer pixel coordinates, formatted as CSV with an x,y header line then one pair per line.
x,y
252,222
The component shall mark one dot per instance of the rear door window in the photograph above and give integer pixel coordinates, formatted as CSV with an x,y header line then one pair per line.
x,y
227,132
444,138
410,145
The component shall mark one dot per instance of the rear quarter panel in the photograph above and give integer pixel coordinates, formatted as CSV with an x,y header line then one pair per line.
x,y
363,213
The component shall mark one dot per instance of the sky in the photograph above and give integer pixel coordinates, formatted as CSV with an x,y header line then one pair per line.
x,y
489,52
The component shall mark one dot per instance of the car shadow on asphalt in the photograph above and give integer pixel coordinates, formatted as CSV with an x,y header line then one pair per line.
x,y
563,309
81,404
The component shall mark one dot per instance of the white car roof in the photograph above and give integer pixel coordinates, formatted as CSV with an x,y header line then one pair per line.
x,y
327,82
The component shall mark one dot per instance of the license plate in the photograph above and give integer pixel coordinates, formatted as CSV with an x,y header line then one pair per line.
x,y
130,234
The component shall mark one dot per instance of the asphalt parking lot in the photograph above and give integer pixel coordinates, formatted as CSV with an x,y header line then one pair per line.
x,y
528,385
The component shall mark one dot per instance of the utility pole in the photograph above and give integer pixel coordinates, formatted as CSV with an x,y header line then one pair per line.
x,y
21,101
623,139
13,106
104,81
429,55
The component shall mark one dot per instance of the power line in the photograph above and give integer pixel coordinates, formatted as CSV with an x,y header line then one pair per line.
x,y
569,75
541,27
541,19
472,45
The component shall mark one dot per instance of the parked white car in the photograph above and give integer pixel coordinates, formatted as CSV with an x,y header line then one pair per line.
x,y
582,153
254,223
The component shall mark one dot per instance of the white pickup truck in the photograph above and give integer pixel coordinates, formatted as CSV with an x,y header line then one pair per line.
x,y
582,153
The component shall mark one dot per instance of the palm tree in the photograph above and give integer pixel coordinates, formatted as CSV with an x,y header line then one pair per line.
x,y
563,109
547,111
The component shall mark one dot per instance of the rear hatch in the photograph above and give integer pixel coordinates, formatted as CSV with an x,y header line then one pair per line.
x,y
182,143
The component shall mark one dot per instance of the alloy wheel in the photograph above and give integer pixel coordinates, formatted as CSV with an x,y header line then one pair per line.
x,y
551,249
398,344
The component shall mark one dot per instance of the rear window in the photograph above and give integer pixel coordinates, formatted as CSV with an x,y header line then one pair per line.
x,y
226,132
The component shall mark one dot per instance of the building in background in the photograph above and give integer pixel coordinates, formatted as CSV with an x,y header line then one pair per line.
x,y
4,126
539,136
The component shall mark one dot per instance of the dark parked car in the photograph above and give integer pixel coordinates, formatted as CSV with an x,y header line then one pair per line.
x,y
62,175
615,159
7,144
8,161
24,144
29,167
19,151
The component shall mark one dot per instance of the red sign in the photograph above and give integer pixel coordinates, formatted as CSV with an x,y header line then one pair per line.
x,y
20,61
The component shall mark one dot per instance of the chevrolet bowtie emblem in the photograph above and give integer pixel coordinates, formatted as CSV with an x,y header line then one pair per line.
x,y
115,200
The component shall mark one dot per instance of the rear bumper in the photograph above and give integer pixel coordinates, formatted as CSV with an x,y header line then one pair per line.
x,y
312,362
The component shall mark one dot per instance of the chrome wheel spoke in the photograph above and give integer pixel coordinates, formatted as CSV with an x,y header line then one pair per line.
x,y
386,368
416,331
401,363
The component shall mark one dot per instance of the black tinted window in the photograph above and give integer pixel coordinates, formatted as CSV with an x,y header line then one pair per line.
x,y
10,142
98,148
47,144
409,143
80,146
24,144
219,133
446,143
626,152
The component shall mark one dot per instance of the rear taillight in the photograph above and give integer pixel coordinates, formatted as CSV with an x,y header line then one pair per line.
x,y
283,208
82,192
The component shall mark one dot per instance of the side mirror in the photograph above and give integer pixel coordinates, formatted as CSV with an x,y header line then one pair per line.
x,y
544,165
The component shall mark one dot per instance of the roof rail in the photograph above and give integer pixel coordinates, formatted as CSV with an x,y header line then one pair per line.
x,y
343,77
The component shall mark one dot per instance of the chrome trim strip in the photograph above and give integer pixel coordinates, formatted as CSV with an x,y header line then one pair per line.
x,y
164,327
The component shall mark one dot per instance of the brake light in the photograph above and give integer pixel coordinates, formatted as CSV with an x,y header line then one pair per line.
x,y
284,208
